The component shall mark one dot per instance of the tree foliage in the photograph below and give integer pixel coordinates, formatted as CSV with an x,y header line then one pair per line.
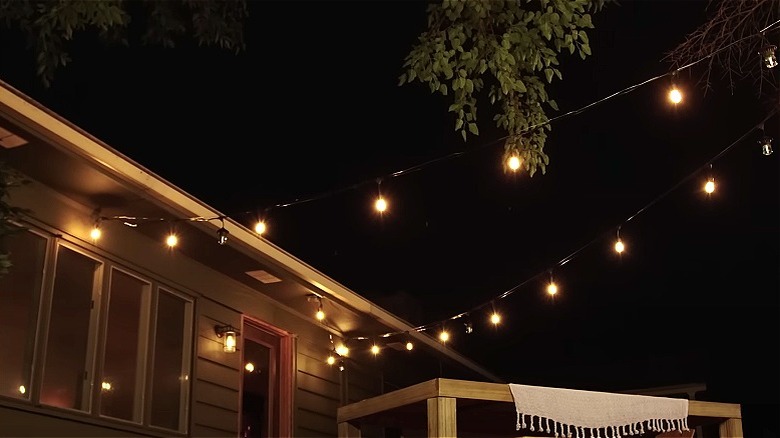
x,y
50,25
508,49
729,41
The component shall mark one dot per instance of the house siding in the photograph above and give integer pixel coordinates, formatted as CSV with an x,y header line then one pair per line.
x,y
214,399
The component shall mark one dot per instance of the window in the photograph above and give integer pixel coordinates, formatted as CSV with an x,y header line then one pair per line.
x,y
66,371
92,336
123,358
19,292
170,375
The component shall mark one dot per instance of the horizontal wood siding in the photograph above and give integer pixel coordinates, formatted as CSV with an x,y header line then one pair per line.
x,y
318,393
216,402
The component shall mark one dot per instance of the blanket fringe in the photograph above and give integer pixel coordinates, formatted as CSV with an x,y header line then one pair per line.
x,y
562,430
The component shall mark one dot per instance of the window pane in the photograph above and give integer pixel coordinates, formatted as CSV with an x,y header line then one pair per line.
x,y
66,350
120,376
19,290
170,372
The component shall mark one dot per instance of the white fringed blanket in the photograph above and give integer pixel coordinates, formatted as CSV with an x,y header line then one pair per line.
x,y
581,414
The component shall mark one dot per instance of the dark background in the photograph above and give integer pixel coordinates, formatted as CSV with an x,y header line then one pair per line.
x,y
312,106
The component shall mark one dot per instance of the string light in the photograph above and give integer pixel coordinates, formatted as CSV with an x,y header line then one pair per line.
x,y
768,56
342,350
222,233
409,345
495,318
619,245
514,163
709,186
375,349
172,240
331,359
380,204
444,335
260,228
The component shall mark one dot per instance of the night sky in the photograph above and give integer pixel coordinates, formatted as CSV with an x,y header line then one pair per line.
x,y
312,109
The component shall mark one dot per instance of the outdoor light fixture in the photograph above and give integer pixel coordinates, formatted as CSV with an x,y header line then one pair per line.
x,y
230,334
222,233
320,315
768,56
766,145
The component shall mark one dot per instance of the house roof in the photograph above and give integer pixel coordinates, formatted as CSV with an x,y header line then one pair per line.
x,y
98,176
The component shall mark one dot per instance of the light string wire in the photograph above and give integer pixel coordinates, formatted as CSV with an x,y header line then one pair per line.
x,y
571,256
420,166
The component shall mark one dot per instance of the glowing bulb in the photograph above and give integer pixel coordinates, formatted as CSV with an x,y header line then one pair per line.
x,y
444,336
230,342
675,96
22,389
552,288
260,227
249,367
374,349
341,366
331,360
342,350
619,246
171,240
320,315
514,163
95,233
409,346
709,187
380,205
495,318
105,386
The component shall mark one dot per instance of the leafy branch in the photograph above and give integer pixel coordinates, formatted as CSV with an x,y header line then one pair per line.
x,y
508,49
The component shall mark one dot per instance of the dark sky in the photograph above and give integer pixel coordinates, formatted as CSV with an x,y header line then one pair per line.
x,y
313,106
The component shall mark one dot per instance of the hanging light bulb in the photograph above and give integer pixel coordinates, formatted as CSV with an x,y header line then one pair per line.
x,y
768,56
331,359
709,186
495,318
409,345
444,335
675,95
95,233
172,240
619,245
260,227
514,163
552,288
380,205
766,145
342,350
375,349
222,234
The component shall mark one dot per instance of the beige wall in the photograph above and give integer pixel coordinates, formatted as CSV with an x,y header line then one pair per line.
x,y
214,397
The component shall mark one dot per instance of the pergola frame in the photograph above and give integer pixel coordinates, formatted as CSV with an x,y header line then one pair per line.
x,y
441,396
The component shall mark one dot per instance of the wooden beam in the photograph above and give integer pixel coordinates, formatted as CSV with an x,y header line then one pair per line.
x,y
474,390
387,401
700,408
731,428
442,417
347,430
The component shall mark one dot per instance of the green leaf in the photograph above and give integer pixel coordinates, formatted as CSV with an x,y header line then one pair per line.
x,y
553,104
463,133
458,124
473,128
548,73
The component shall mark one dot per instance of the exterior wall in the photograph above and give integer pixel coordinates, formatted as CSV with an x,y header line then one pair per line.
x,y
216,376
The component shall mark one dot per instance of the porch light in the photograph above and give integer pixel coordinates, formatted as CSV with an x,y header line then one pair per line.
x,y
95,233
229,333
768,56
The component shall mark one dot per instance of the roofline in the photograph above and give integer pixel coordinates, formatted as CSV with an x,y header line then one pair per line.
x,y
64,134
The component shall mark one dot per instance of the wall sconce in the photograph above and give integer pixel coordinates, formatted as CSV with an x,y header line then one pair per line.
x,y
230,334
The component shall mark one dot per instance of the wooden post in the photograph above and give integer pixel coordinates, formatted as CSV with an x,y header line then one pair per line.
x,y
731,428
442,417
347,430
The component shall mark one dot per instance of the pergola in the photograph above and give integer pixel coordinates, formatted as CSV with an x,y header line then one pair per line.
x,y
450,408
